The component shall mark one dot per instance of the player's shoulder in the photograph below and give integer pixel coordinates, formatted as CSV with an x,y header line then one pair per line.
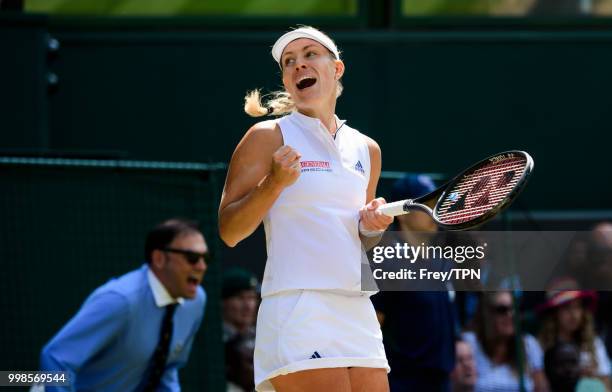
x,y
264,129
372,144
262,135
373,147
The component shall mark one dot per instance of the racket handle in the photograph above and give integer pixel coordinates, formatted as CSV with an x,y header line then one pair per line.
x,y
393,209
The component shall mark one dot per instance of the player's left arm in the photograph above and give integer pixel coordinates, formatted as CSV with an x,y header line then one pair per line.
x,y
373,223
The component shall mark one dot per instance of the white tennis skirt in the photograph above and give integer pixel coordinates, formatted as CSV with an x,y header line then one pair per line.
x,y
310,329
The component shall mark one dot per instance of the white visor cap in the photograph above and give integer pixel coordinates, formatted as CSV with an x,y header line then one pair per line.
x,y
303,32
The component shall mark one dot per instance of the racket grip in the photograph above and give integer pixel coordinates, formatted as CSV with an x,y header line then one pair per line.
x,y
393,209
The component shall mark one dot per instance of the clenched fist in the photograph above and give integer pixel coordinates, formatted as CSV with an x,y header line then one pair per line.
x,y
285,166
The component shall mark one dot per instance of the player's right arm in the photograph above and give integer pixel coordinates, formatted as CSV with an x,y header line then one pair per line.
x,y
260,168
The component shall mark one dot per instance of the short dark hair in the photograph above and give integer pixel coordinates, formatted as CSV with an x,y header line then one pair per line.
x,y
164,233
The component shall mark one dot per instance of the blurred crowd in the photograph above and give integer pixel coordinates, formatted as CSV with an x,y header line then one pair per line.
x,y
451,340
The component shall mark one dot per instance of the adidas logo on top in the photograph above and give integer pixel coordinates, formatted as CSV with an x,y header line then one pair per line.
x,y
359,167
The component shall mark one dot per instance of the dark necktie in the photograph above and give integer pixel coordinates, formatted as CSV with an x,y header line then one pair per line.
x,y
160,356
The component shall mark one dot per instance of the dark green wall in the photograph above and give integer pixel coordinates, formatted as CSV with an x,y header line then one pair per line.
x,y
436,101
23,82
66,230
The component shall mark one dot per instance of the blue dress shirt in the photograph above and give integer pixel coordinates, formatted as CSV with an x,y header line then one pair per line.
x,y
109,343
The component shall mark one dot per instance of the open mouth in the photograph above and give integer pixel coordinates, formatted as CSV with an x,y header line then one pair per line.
x,y
192,280
305,83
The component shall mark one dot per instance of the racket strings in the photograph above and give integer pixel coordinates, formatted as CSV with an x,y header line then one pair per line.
x,y
476,201
481,190
463,186
478,205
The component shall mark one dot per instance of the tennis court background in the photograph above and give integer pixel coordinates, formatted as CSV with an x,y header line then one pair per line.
x,y
69,226
176,94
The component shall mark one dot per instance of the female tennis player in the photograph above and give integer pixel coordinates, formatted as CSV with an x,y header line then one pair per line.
x,y
312,180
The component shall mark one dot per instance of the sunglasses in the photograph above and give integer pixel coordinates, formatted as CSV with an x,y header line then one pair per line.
x,y
190,256
502,310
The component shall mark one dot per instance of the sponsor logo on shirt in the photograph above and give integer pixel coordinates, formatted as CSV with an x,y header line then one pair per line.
x,y
315,166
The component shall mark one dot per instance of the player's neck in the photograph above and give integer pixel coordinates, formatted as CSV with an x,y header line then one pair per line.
x,y
325,114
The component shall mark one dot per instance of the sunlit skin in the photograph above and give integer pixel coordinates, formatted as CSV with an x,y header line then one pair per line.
x,y
180,278
262,167
307,58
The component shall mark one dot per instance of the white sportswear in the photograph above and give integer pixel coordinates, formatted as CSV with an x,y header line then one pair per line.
x,y
312,236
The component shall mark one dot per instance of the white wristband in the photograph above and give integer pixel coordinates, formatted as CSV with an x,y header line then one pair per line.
x,y
369,233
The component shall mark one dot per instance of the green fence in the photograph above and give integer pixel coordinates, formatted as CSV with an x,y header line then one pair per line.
x,y
69,226
435,100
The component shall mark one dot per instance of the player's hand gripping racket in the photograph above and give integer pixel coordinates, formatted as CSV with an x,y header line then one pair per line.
x,y
474,196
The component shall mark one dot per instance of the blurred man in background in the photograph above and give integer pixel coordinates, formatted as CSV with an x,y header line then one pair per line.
x,y
136,331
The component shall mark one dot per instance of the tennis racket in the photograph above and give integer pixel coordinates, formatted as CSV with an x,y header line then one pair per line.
x,y
474,196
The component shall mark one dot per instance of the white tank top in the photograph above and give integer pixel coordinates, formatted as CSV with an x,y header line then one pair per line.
x,y
312,235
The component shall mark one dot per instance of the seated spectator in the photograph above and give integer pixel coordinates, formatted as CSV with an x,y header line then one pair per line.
x,y
463,376
562,366
239,364
568,317
239,294
497,356
600,272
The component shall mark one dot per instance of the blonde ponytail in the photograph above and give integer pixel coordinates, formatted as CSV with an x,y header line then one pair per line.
x,y
279,104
